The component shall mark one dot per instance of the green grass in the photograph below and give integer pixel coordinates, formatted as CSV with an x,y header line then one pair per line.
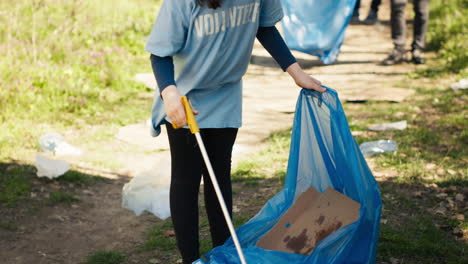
x,y
61,197
433,149
419,241
77,177
436,135
447,34
247,174
205,246
157,240
267,164
16,182
67,65
239,220
8,227
106,257
411,234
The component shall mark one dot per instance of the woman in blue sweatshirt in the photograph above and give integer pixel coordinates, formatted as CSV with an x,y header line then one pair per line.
x,y
201,49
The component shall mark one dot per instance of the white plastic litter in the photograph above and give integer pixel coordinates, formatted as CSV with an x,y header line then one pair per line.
x,y
401,125
55,143
461,85
149,191
373,148
51,168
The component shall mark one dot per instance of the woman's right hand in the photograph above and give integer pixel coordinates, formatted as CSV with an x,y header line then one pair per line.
x,y
174,108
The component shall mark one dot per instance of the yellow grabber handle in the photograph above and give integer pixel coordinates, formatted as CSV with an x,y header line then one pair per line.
x,y
192,122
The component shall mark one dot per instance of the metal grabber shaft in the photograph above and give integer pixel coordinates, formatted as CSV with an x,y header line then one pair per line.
x,y
192,122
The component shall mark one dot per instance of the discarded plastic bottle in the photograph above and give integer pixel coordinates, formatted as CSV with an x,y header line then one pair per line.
x,y
373,148
50,141
55,143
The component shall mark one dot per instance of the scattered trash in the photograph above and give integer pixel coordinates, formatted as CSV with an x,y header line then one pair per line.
x,y
373,148
149,191
55,143
460,85
401,125
51,168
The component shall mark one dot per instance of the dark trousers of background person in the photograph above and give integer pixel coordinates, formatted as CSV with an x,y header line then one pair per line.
x,y
374,6
398,22
187,168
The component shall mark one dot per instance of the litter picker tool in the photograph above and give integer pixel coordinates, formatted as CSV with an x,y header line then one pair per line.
x,y
192,122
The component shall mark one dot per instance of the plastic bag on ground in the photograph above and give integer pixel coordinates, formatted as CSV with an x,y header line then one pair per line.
x,y
401,125
323,154
51,168
316,27
460,85
55,143
149,191
373,148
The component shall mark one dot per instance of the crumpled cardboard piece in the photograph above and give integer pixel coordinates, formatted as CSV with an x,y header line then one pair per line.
x,y
312,218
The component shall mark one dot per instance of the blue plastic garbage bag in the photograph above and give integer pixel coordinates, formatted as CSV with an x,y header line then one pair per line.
x,y
316,27
323,154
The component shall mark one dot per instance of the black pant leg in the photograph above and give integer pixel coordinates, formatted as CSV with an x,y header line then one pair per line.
x,y
186,169
219,144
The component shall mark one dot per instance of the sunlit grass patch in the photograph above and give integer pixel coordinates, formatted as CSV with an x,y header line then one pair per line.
x,y
77,177
158,240
70,64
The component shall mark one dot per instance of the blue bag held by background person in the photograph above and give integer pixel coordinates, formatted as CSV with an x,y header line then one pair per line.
x,y
316,27
323,154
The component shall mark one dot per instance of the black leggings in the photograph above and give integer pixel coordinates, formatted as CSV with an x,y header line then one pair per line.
x,y
187,168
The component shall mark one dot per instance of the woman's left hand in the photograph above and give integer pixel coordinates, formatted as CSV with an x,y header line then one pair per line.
x,y
304,80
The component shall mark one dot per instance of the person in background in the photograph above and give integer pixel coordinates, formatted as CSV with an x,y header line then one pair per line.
x,y
371,17
398,23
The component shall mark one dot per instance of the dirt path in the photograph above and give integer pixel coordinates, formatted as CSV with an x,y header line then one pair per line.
x,y
67,234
